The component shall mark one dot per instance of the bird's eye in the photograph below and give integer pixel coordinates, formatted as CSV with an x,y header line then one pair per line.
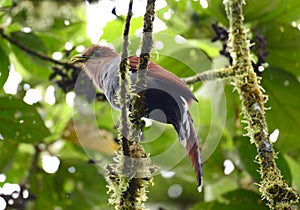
x,y
97,54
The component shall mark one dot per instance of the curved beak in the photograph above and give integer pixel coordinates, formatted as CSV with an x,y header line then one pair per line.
x,y
79,58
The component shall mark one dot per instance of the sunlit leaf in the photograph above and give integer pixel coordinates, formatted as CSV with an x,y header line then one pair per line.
x,y
31,63
114,29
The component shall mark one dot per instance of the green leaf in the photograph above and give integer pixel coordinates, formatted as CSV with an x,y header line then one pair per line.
x,y
271,11
238,199
33,64
295,170
283,46
8,153
76,30
89,185
212,49
179,56
20,163
52,41
283,90
247,154
21,122
113,31
84,188
4,64
216,11
178,23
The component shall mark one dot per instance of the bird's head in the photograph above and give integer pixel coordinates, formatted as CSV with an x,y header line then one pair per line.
x,y
94,60
95,53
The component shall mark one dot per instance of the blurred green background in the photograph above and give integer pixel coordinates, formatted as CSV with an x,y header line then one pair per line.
x,y
53,153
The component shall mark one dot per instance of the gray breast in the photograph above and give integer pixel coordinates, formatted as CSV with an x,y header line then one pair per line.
x,y
110,83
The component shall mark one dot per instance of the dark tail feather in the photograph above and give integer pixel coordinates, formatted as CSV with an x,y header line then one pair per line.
x,y
193,148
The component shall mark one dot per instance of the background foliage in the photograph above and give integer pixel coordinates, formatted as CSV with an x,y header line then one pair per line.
x,y
29,133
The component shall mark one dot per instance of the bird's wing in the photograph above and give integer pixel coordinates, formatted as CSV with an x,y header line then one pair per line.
x,y
160,77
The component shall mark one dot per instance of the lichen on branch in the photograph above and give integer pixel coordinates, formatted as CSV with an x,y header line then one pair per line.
x,y
138,105
130,176
225,73
272,187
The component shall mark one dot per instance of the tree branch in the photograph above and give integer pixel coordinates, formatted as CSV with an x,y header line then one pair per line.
x,y
117,178
138,106
273,188
130,176
32,52
124,81
225,73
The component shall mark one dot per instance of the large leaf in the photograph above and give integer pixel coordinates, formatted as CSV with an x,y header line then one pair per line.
x,y
113,30
283,90
267,11
295,170
257,11
21,122
183,59
283,46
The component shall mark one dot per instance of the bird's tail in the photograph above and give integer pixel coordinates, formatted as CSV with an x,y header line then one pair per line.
x,y
188,137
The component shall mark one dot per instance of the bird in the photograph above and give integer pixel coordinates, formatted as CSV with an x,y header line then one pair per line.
x,y
167,97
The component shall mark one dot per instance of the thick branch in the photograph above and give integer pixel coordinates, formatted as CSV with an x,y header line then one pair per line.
x,y
278,194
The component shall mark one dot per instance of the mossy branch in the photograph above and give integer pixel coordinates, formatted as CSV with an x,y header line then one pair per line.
x,y
138,105
130,176
273,188
225,73
117,177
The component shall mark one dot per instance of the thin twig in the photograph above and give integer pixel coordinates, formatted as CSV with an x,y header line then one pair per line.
x,y
126,31
225,73
33,52
138,106
147,40
204,76
124,83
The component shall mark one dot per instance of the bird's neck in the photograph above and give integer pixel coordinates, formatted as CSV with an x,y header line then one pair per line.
x,y
94,68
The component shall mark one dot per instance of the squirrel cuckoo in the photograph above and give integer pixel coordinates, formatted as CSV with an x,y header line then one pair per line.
x,y
165,92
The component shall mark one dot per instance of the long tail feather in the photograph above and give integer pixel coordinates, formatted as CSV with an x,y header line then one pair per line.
x,y
193,147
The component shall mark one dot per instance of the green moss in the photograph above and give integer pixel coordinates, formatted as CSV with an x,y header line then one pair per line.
x,y
273,188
